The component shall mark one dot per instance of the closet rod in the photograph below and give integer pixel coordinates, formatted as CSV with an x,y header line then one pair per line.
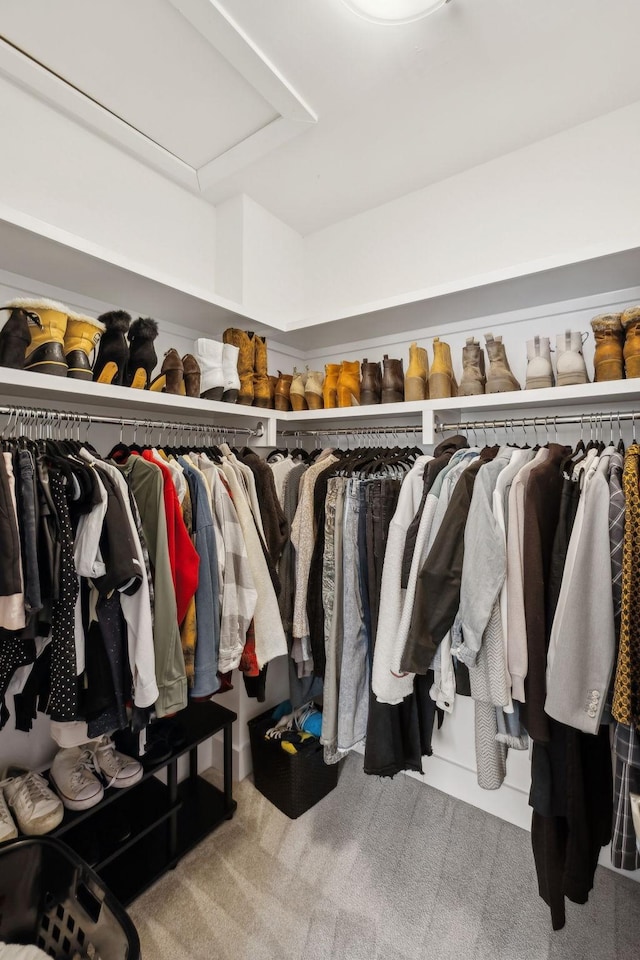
x,y
56,417
583,419
349,432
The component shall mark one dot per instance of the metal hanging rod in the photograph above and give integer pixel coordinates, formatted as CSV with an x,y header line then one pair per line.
x,y
59,417
350,432
583,419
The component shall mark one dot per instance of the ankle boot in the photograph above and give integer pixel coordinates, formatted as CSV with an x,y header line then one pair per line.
x,y
296,391
415,381
171,376
80,340
15,336
569,360
245,343
442,382
192,375
609,357
313,390
142,353
273,382
371,386
500,379
209,356
630,321
349,384
283,388
261,389
474,379
392,381
539,369
45,352
330,388
113,352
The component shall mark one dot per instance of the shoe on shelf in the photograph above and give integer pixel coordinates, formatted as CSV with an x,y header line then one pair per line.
x,y
330,386
392,380
417,376
349,384
569,359
142,357
283,388
117,769
474,379
313,390
630,321
192,375
73,775
371,383
171,376
245,342
609,357
500,379
297,396
539,369
110,365
442,381
34,805
8,829
15,336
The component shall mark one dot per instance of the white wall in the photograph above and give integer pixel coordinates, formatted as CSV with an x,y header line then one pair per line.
x,y
566,198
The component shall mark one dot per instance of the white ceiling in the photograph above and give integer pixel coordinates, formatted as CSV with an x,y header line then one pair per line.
x,y
224,92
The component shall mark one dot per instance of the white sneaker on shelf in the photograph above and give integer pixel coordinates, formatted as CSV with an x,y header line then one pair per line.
x,y
72,774
118,769
8,829
34,805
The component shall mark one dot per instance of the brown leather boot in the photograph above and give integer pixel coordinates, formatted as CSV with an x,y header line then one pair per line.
x,y
171,376
609,356
313,390
473,372
330,387
392,381
442,383
191,369
371,386
630,321
261,388
245,342
500,379
273,382
416,378
349,384
283,386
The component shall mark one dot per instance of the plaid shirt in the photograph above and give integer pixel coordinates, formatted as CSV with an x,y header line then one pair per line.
x,y
624,844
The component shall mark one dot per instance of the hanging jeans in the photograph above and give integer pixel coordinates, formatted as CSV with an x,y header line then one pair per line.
x,y
332,587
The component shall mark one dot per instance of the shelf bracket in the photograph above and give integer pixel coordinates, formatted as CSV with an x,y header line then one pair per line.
x,y
428,429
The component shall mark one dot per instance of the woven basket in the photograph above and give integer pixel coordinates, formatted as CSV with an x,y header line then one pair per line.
x,y
292,782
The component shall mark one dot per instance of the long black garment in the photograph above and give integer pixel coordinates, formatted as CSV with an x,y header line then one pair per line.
x,y
63,704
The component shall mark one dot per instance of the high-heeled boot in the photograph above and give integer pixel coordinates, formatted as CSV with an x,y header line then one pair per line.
x,y
416,377
349,384
113,353
442,382
171,376
392,380
142,353
330,387
296,391
313,390
283,389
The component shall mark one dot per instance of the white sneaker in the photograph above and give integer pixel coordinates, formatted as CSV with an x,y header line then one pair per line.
x,y
73,777
34,805
118,769
8,829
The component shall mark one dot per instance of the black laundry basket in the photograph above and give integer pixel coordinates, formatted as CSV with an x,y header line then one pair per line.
x,y
50,898
292,782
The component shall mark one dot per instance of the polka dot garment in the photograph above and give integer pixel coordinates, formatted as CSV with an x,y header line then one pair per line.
x,y
626,696
63,704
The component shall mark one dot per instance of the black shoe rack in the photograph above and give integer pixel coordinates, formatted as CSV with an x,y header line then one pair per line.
x,y
134,835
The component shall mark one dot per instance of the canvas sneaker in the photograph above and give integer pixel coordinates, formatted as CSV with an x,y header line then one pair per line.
x,y
73,775
33,804
117,769
8,829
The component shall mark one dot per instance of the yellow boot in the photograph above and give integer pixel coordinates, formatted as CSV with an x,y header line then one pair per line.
x,y
349,384
81,338
442,382
246,345
630,320
261,388
47,327
609,356
330,386
415,381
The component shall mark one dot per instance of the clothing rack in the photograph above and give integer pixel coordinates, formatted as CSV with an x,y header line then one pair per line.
x,y
583,420
354,432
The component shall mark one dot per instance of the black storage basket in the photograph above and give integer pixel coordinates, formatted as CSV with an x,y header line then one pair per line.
x,y
292,782
50,898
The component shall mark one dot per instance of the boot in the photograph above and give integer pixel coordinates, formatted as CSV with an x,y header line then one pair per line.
x,y
415,381
500,378
330,388
313,390
142,353
246,345
113,353
283,388
273,382
349,384
371,386
209,356
81,338
539,369
442,382
15,336
296,391
630,321
261,390
171,376
609,357
392,381
192,375
474,380
230,377
45,351
569,360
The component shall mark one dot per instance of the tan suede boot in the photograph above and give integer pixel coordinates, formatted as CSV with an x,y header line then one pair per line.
x,y
500,379
245,343
349,384
296,392
313,390
330,387
442,382
261,387
473,372
283,387
630,321
609,356
416,378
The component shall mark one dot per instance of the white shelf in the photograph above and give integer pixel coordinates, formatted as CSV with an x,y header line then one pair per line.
x,y
585,395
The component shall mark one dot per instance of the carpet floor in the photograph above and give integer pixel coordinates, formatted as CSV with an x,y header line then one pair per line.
x,y
378,870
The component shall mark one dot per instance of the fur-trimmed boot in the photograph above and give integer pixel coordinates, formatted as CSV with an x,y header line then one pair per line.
x,y
80,340
15,336
113,353
142,353
245,342
630,321
47,321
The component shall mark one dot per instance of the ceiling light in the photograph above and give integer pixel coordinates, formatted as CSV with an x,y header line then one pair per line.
x,y
393,12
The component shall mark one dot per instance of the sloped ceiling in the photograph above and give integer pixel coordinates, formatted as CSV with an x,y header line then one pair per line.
x,y
311,111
